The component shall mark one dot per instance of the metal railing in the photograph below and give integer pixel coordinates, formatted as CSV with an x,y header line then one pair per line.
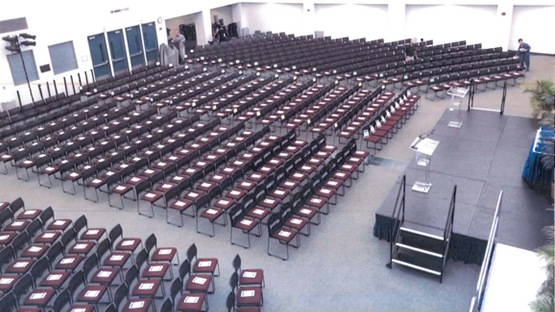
x,y
448,231
398,217
476,303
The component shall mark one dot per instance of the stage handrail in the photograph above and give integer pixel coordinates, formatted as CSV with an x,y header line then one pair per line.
x,y
448,231
476,304
398,217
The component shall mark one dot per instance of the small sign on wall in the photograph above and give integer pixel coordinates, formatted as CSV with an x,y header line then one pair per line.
x,y
45,68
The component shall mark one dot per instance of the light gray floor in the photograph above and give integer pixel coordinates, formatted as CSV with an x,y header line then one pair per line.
x,y
341,266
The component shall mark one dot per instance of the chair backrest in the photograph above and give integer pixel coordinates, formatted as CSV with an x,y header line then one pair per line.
x,y
117,231
39,268
111,308
90,263
150,243
23,285
141,186
68,237
5,215
16,205
141,258
62,300
54,252
46,215
76,281
120,293
8,302
80,224
237,263
167,306
102,248
34,227
230,301
274,223
6,255
184,269
192,253
234,281
175,288
131,275
20,241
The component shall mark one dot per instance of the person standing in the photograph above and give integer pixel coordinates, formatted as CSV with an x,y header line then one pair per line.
x,y
524,53
179,42
410,52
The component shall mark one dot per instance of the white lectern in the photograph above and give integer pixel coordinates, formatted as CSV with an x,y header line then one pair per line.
x,y
457,94
423,149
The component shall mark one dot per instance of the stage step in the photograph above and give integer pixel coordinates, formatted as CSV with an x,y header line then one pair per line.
x,y
420,250
422,230
423,242
419,261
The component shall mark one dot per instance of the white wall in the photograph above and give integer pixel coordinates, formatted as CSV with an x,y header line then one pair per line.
x,y
448,23
224,12
65,20
173,23
475,21
275,17
351,20
534,24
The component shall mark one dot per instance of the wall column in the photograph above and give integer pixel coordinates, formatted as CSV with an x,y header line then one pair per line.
x,y
504,25
395,29
309,19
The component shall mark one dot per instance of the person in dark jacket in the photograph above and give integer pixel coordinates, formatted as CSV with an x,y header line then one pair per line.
x,y
410,52
524,53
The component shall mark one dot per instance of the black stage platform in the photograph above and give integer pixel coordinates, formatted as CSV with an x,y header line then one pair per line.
x,y
486,155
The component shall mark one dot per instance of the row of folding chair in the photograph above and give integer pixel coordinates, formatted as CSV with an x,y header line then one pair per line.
x,y
173,186
261,109
258,96
317,127
314,198
214,186
383,125
353,121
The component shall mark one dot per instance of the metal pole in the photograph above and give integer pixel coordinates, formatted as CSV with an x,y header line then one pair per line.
x,y
86,78
48,89
26,76
55,87
504,97
65,85
92,76
72,84
40,92
19,99
79,76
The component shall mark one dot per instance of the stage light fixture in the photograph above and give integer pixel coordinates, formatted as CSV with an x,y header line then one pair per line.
x,y
13,49
27,36
28,43
12,39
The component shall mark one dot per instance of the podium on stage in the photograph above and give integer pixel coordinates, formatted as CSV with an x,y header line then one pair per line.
x,y
424,149
457,95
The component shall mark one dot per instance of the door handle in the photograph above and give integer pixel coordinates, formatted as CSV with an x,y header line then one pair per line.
x,y
101,52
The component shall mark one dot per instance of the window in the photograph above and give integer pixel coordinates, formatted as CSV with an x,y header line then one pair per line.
x,y
16,66
62,56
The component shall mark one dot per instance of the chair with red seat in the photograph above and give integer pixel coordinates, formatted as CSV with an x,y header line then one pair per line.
x,y
239,220
248,277
121,243
188,302
197,283
231,306
284,235
202,265
92,293
246,296
144,288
